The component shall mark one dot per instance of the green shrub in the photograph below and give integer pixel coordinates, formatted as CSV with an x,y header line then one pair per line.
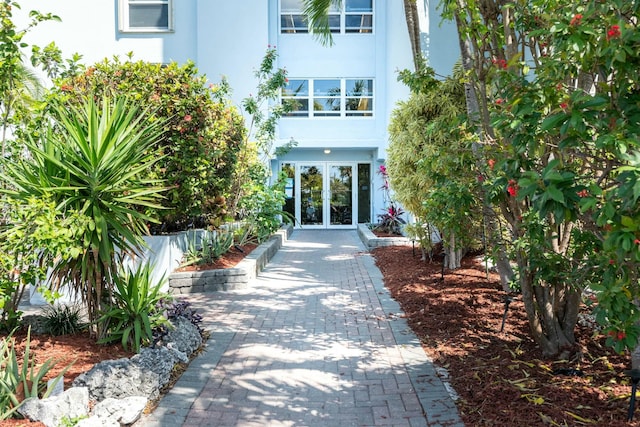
x,y
20,378
201,136
262,206
134,313
63,320
33,224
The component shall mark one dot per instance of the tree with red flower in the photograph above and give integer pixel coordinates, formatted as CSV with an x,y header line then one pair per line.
x,y
577,18
613,32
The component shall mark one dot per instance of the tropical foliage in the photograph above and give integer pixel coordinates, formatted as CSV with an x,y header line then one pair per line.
x,y
134,312
557,96
19,87
33,224
200,139
92,160
431,163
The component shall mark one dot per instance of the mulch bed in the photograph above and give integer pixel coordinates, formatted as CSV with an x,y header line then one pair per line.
x,y
501,377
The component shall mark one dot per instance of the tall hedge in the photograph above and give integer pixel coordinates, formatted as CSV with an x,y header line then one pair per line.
x,y
202,135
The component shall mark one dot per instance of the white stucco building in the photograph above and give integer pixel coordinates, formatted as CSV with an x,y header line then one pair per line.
x,y
343,94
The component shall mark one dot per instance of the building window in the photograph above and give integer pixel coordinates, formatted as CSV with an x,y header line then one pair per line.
x,y
329,97
146,15
354,16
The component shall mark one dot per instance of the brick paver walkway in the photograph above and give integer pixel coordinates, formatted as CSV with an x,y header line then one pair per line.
x,y
315,341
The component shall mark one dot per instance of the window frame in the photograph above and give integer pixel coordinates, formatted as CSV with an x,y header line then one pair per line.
x,y
345,96
296,17
124,15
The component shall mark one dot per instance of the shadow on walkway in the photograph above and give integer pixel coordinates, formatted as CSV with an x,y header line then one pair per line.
x,y
315,341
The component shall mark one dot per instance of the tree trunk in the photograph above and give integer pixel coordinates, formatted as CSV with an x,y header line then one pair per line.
x,y
453,254
473,112
413,25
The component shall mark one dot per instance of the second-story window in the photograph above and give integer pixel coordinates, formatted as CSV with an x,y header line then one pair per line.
x,y
354,16
329,97
146,15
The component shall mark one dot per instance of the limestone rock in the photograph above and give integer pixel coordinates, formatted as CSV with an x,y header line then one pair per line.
x,y
72,403
124,411
184,337
119,379
94,421
160,360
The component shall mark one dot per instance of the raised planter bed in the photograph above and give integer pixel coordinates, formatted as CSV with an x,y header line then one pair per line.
x,y
226,279
372,241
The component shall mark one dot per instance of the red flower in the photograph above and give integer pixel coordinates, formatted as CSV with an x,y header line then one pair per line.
x,y
383,170
621,335
614,32
491,163
576,19
612,261
187,118
637,241
499,101
500,63
564,105
583,193
480,178
513,188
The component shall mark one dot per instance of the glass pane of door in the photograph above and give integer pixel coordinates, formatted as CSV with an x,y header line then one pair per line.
x,y
311,200
341,191
364,193
289,189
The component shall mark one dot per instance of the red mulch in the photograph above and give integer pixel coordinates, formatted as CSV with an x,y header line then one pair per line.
x,y
501,377
80,351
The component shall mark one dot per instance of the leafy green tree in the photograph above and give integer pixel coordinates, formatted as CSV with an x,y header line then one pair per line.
x,y
201,137
18,85
93,161
264,111
584,99
33,224
431,164
552,147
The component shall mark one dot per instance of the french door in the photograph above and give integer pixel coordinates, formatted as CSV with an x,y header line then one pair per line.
x,y
326,195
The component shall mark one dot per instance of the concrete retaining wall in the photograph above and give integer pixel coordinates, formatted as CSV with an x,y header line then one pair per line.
x,y
372,241
237,277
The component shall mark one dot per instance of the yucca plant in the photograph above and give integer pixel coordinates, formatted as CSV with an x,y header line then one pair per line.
x,y
20,379
134,313
91,160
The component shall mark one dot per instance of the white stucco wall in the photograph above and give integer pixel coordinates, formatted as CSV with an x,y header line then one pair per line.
x,y
232,38
90,28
